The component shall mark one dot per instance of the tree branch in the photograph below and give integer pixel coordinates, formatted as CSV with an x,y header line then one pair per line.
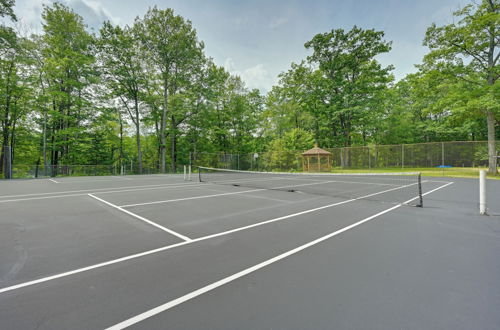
x,y
477,57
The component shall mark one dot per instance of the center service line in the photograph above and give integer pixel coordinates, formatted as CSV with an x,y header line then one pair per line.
x,y
185,238
168,305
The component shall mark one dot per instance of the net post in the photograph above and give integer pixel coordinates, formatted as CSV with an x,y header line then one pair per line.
x,y
482,192
420,196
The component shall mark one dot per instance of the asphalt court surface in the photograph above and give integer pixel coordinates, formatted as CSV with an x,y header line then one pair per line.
x,y
156,252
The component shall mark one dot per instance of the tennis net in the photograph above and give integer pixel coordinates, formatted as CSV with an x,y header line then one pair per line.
x,y
395,188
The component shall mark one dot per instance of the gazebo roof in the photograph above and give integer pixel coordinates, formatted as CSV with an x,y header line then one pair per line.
x,y
316,151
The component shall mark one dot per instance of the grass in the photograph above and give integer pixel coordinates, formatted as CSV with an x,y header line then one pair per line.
x,y
457,172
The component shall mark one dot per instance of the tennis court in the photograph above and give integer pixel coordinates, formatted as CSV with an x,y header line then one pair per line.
x,y
233,252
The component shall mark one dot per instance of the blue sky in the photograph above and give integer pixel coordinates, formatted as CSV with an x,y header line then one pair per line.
x,y
259,39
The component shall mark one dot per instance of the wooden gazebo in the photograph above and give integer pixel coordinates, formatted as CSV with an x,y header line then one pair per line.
x,y
317,160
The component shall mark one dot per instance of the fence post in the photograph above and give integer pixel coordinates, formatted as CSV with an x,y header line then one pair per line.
x,y
369,160
402,156
442,153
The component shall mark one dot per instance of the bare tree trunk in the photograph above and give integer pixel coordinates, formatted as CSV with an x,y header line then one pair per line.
x,y
492,160
163,126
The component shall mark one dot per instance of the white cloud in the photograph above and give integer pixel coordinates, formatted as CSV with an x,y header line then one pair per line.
x,y
229,65
94,13
254,77
29,12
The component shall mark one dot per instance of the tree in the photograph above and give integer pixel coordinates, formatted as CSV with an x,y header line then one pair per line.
x,y
121,65
467,53
173,47
353,79
14,87
68,67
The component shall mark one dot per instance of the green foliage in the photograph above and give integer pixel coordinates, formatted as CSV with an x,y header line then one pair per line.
x,y
6,9
466,54
283,152
146,95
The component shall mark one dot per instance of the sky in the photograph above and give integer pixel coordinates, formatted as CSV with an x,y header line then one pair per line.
x,y
259,39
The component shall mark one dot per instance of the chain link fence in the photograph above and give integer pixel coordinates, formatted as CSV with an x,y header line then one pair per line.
x,y
41,171
432,154
419,155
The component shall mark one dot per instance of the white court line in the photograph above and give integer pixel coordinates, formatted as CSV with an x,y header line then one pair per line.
x,y
93,180
168,247
253,190
354,182
170,304
441,181
185,238
121,178
110,190
162,308
191,198
96,189
106,191
53,180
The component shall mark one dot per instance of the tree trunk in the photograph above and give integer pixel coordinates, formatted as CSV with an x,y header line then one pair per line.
x,y
45,142
138,135
173,145
120,159
163,126
492,160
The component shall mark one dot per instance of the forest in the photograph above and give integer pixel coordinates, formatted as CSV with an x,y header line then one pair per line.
x,y
146,94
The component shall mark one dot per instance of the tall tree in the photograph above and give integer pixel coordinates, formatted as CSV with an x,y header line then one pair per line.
x,y
68,65
14,86
121,65
173,46
467,53
353,78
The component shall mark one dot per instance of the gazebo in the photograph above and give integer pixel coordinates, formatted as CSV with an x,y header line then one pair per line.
x,y
317,160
